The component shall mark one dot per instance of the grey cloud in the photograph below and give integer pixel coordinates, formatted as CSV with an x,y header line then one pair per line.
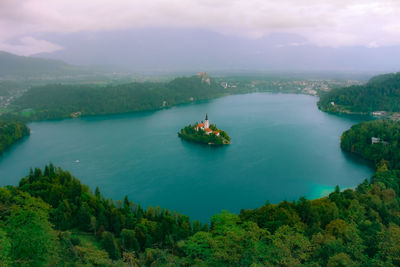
x,y
29,45
324,23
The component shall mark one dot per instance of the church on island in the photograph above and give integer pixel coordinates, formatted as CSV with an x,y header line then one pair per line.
x,y
205,133
205,126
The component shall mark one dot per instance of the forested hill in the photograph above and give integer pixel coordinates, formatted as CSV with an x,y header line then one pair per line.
x,y
11,132
52,199
386,146
21,66
380,93
60,101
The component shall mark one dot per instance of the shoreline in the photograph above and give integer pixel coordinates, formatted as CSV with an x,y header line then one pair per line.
x,y
29,120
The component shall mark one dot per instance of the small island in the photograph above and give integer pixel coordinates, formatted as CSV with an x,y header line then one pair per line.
x,y
205,133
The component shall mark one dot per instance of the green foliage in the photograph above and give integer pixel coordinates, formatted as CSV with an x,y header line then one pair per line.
x,y
74,206
380,93
91,256
129,241
31,237
11,132
190,133
5,247
229,243
358,140
344,228
110,245
27,237
347,228
288,247
389,245
60,101
81,251
340,260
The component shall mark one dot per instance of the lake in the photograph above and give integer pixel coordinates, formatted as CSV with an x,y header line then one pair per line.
x,y
282,148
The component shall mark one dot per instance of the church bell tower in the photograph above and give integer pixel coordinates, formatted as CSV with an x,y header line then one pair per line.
x,y
206,123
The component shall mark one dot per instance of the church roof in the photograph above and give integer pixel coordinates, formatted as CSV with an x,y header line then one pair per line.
x,y
200,124
208,130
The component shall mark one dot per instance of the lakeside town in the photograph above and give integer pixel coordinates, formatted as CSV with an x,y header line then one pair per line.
x,y
302,86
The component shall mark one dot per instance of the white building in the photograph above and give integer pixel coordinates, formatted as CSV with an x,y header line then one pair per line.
x,y
205,126
379,113
206,122
375,140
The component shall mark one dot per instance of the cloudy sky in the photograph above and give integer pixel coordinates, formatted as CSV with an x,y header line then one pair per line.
x,y
329,23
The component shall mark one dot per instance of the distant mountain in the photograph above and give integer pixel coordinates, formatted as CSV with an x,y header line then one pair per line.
x,y
381,93
168,49
28,67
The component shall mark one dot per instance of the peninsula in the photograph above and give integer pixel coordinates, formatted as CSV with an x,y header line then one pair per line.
x,y
205,133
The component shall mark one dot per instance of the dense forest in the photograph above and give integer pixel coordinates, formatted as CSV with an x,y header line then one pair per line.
x,y
61,101
11,132
385,149
51,219
380,93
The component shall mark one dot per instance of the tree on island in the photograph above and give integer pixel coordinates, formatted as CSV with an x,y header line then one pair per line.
x,y
204,133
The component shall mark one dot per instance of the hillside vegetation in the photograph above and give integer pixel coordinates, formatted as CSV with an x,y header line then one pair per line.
x,y
11,132
359,140
60,101
51,219
380,93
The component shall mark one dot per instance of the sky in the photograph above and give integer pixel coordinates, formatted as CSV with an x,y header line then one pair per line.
x,y
332,23
181,34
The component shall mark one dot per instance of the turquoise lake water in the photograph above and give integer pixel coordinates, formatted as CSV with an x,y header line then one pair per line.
x,y
282,148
